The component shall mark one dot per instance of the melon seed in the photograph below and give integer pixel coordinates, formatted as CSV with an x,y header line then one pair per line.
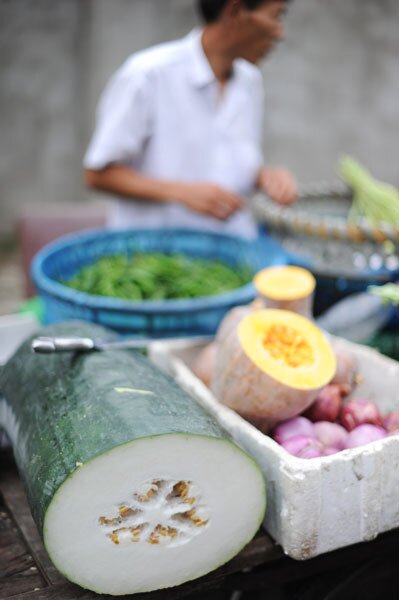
x,y
166,495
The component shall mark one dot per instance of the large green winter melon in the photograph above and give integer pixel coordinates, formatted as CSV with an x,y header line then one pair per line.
x,y
132,485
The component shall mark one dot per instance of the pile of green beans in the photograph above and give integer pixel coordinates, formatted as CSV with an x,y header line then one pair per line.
x,y
155,276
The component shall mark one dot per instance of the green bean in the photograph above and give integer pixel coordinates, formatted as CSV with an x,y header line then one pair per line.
x,y
156,276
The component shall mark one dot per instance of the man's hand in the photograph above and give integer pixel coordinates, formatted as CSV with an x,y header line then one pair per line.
x,y
279,184
208,199
204,198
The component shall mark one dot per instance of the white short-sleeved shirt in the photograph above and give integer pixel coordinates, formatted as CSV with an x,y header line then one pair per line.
x,y
162,114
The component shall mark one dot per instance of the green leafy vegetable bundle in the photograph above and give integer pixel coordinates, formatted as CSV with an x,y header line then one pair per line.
x,y
156,276
376,201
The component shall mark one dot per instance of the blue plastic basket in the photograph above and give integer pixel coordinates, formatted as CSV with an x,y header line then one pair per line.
x,y
60,260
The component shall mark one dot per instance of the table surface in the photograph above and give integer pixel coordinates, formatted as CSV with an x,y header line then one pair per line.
x,y
26,572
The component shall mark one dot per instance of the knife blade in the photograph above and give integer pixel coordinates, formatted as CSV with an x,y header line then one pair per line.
x,y
50,345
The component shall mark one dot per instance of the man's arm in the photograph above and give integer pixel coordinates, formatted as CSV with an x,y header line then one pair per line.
x,y
278,183
204,198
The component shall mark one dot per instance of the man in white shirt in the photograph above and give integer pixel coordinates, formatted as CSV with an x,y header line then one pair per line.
x,y
179,126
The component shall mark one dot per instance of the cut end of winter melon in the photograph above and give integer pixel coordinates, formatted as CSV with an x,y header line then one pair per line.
x,y
154,513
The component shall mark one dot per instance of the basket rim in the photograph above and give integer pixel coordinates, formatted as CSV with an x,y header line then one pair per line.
x,y
301,221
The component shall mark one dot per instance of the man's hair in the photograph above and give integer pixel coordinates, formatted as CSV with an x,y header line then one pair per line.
x,y
210,10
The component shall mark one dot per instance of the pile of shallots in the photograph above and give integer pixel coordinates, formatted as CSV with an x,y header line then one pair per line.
x,y
331,424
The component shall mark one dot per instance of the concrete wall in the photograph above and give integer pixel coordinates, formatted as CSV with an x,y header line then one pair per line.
x,y
40,100
332,87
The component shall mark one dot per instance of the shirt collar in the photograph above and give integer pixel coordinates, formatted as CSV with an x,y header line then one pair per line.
x,y
201,73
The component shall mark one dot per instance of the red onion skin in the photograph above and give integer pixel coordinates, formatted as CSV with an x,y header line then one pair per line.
x,y
360,412
327,406
293,427
391,421
331,435
365,434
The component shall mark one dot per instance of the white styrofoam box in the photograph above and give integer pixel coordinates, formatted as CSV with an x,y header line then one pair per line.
x,y
319,504
14,329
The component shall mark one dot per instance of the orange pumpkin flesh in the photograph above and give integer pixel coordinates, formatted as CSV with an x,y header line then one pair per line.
x,y
271,365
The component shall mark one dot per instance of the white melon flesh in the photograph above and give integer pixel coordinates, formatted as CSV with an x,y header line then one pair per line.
x,y
154,513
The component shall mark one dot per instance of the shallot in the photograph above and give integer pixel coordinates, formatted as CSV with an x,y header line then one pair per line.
x,y
331,435
303,446
391,422
330,450
312,451
364,434
358,412
327,405
293,427
296,443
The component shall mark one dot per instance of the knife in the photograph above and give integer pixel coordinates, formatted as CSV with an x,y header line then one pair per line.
x,y
49,345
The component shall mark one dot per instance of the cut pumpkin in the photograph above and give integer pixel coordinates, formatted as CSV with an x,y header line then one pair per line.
x,y
234,316
287,288
271,366
203,364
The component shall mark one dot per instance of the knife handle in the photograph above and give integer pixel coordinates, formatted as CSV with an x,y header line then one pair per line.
x,y
49,345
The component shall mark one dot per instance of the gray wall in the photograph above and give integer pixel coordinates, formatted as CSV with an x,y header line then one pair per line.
x,y
40,103
332,87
